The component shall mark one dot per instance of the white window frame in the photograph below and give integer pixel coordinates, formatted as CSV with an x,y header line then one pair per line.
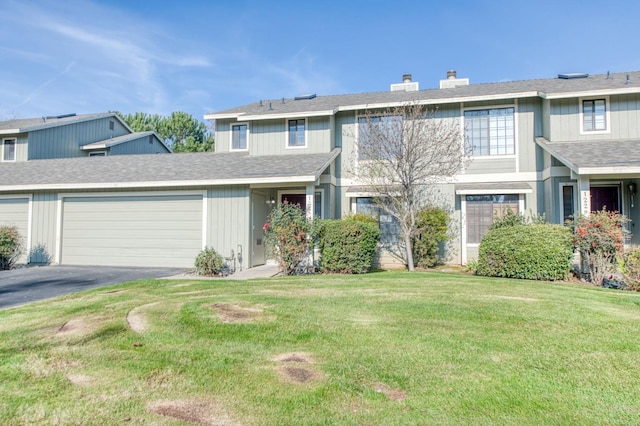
x,y
306,133
231,148
576,201
15,149
97,153
607,115
515,130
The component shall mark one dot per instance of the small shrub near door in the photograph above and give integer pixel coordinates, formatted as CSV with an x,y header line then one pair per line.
x,y
432,231
348,246
10,246
631,269
535,251
209,262
287,236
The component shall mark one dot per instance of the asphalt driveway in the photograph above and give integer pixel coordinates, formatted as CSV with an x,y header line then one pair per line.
x,y
26,285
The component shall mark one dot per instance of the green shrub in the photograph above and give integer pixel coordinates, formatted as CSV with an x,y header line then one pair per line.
x,y
432,230
347,246
10,246
209,262
536,251
287,236
631,269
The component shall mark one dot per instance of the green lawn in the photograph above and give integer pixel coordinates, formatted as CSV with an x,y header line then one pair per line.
x,y
389,348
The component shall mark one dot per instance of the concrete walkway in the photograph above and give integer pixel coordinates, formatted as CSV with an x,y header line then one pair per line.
x,y
263,271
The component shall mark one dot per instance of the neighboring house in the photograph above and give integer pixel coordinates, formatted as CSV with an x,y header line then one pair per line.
x,y
72,135
557,146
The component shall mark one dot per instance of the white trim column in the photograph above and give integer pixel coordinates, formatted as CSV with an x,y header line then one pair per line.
x,y
310,201
585,195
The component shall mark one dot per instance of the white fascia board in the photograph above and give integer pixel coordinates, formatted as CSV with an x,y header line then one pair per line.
x,y
159,184
300,114
93,146
223,116
589,93
439,101
607,170
494,191
11,131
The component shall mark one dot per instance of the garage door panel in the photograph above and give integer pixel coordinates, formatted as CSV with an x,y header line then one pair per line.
x,y
15,212
132,230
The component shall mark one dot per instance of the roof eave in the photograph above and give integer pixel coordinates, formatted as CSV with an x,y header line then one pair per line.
x,y
584,93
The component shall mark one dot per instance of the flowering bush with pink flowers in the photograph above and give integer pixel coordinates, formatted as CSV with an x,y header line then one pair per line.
x,y
10,246
599,238
287,236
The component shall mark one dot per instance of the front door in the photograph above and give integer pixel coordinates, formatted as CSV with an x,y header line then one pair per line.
x,y
259,209
605,197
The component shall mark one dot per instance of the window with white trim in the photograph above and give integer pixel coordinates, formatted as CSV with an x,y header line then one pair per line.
x,y
9,150
296,133
481,211
594,115
239,136
490,131
379,137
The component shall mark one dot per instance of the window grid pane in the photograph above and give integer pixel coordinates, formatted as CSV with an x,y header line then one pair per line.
x,y
491,131
239,136
481,211
296,133
9,150
594,115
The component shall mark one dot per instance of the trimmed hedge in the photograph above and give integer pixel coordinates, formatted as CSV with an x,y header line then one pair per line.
x,y
347,246
432,230
535,252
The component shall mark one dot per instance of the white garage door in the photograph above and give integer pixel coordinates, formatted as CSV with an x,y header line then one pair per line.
x,y
160,230
15,212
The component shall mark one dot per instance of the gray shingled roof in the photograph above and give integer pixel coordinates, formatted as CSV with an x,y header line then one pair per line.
x,y
31,124
596,157
191,169
505,90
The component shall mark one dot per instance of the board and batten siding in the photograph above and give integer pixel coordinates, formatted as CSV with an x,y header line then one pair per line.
x,y
66,140
143,145
43,227
269,137
137,229
624,116
229,219
14,211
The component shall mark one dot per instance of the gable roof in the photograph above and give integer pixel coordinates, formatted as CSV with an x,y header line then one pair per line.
x,y
596,157
177,170
550,88
23,125
108,143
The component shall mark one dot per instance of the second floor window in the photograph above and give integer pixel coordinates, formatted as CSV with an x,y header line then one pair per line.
x,y
594,115
239,136
380,137
9,150
490,131
296,133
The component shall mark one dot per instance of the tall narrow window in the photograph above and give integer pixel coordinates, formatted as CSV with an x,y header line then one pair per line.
x,y
567,203
239,136
490,131
296,133
594,113
9,150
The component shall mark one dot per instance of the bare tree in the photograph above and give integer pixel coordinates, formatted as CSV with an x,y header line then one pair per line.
x,y
403,153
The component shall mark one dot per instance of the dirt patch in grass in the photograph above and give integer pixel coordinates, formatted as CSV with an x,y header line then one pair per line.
x,y
136,319
393,394
78,326
237,314
293,368
80,379
198,412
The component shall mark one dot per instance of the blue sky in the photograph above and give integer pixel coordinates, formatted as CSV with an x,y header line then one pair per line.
x,y
205,56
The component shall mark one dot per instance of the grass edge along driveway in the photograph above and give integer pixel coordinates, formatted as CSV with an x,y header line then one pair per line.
x,y
383,348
